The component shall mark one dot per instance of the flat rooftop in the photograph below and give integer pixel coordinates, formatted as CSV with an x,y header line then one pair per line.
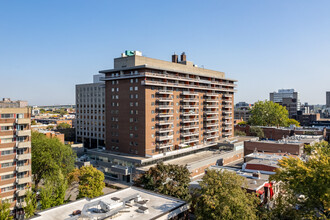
x,y
157,206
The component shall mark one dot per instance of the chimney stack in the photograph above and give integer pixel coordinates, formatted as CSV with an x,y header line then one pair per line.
x,y
183,57
175,58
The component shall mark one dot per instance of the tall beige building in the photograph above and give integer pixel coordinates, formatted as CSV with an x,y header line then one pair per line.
x,y
155,106
15,157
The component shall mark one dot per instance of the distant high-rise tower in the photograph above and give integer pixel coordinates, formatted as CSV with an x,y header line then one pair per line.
x,y
90,113
288,98
328,99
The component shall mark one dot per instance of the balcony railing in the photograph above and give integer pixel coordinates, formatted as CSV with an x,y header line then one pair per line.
x,y
23,121
26,144
211,94
164,99
162,146
189,127
23,156
164,122
165,92
189,134
211,131
190,106
23,133
207,125
190,100
164,115
189,141
24,180
211,118
211,112
23,168
190,120
189,93
164,138
164,107
161,131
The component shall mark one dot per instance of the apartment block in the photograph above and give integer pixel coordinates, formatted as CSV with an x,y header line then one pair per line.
x,y
288,98
90,113
15,157
328,99
155,106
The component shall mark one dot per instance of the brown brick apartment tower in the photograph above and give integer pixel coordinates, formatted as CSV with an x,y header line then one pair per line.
x,y
15,157
154,106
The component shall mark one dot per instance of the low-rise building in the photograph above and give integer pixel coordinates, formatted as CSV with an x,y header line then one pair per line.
x,y
129,203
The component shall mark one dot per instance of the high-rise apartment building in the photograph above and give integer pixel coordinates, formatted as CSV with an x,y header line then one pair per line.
x,y
288,98
328,99
90,113
15,157
155,106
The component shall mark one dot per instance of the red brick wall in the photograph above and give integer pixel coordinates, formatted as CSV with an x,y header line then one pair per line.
x,y
272,147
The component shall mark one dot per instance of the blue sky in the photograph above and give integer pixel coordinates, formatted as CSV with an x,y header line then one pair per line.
x,y
46,47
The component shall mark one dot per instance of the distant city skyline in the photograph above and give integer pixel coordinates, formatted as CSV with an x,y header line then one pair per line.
x,y
49,47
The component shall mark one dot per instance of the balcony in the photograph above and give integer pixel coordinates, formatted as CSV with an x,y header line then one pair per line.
x,y
211,112
189,134
228,95
162,146
190,120
211,100
190,107
227,128
189,141
164,131
211,131
211,118
211,106
211,136
207,125
24,180
227,123
23,156
164,115
164,122
190,93
228,117
20,192
189,113
26,144
164,99
165,92
24,133
190,127
23,121
227,101
190,100
164,138
163,107
227,133
23,168
211,94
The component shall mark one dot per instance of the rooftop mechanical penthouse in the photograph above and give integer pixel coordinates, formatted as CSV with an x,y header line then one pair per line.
x,y
155,106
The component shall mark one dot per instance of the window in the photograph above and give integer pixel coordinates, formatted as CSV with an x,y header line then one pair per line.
x,y
5,177
152,136
131,88
10,164
152,111
136,88
132,80
136,96
7,152
136,104
7,115
20,115
152,96
136,80
131,135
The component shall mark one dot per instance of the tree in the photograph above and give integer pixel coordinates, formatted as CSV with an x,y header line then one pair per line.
x,y
90,180
50,158
292,121
257,131
242,123
222,197
63,126
5,210
52,193
309,180
268,113
169,179
31,204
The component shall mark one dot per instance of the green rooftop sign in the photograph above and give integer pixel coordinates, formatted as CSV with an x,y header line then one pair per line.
x,y
129,53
